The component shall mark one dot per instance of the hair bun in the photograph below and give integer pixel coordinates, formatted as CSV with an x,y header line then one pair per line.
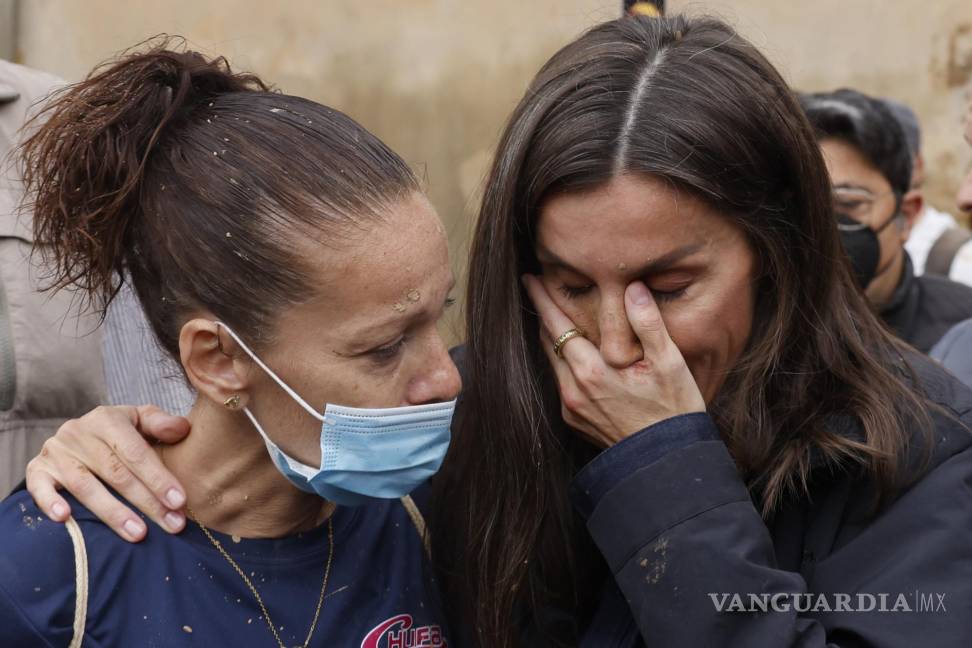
x,y
84,165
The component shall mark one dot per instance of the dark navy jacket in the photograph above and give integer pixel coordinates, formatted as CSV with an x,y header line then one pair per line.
x,y
681,536
923,308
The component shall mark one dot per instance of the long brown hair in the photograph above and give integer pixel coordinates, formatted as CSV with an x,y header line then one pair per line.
x,y
197,184
693,103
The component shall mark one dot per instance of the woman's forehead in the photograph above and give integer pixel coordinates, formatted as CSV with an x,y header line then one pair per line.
x,y
394,266
629,216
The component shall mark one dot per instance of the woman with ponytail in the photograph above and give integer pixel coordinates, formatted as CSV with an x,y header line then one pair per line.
x,y
289,261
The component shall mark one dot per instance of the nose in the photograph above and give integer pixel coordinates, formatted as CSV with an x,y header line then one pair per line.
x,y
618,343
964,197
437,377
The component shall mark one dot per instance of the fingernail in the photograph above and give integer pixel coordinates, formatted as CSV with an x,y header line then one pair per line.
x,y
60,511
133,528
173,521
639,293
174,498
155,419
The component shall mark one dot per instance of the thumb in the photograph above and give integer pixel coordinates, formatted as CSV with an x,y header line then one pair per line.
x,y
644,317
157,424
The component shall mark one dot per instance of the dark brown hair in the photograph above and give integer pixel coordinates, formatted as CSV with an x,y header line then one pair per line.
x,y
693,103
199,184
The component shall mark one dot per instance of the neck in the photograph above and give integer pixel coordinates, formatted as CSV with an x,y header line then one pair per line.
x,y
888,281
231,483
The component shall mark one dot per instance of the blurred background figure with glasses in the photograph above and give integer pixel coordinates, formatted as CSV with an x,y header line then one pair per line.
x,y
870,166
937,244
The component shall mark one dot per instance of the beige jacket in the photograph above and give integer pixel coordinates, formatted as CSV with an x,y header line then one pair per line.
x,y
50,357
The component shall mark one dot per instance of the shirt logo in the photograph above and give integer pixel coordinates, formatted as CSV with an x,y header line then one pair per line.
x,y
397,632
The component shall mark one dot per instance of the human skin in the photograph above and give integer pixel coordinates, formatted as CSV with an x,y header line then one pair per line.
x,y
964,196
849,168
698,269
366,337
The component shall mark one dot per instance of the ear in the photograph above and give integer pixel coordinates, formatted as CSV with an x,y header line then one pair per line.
x,y
211,368
911,206
918,171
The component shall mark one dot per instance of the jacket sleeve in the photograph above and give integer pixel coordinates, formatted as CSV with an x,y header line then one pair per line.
x,y
682,536
954,351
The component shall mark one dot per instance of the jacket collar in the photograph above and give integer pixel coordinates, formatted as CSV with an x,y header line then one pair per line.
x,y
8,93
901,311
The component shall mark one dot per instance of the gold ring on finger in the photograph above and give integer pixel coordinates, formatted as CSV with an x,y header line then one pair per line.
x,y
562,340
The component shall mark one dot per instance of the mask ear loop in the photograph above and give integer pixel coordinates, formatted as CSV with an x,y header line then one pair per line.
x,y
284,386
898,200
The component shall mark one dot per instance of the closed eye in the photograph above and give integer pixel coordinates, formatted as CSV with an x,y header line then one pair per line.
x,y
668,295
575,292
389,352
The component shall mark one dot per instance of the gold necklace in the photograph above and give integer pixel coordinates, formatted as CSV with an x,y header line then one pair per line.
x,y
256,594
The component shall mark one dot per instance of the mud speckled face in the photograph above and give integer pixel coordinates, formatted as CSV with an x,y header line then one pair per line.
x,y
697,264
369,337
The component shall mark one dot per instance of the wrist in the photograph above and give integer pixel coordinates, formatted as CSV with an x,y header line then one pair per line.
x,y
645,447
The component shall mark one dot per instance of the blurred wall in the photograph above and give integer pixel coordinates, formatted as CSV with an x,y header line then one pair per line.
x,y
437,78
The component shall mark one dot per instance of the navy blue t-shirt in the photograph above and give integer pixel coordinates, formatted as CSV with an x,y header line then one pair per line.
x,y
179,591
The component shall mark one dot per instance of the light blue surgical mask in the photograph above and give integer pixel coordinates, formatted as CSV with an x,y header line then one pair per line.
x,y
366,454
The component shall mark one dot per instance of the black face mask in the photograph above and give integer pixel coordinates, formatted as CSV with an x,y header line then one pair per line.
x,y
862,246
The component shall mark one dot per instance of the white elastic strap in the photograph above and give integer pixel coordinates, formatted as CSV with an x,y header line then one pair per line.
x,y
419,522
310,410
305,471
80,582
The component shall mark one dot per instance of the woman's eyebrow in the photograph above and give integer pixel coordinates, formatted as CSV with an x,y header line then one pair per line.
x,y
653,266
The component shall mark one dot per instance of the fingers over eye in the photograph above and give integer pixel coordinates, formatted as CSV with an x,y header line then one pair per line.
x,y
645,318
552,319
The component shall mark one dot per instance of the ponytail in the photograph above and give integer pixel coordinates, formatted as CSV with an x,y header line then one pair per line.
x,y
85,164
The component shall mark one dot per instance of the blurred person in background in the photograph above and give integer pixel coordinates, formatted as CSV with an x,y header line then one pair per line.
x,y
954,350
937,244
964,197
870,167
50,350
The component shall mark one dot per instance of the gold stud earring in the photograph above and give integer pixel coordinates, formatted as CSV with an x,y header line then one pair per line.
x,y
232,402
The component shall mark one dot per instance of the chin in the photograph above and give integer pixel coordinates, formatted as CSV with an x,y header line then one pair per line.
x,y
703,382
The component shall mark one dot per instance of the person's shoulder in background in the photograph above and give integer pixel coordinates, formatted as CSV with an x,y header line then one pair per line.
x,y
954,351
943,304
961,268
21,88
